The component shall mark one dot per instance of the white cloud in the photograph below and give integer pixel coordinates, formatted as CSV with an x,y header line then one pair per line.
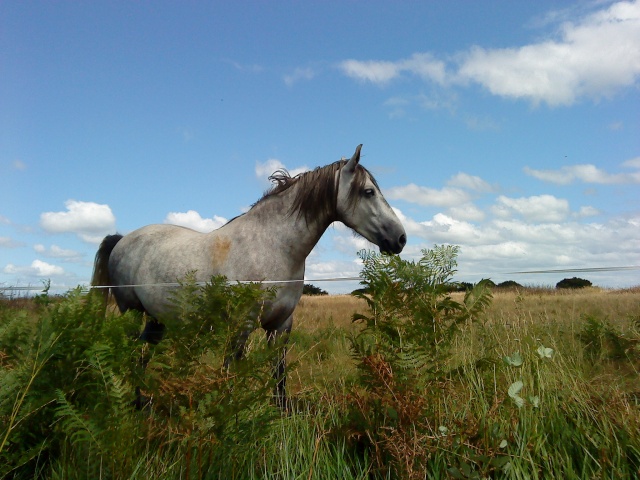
x,y
559,72
38,268
537,233
379,72
349,243
400,105
331,269
57,252
250,67
482,123
455,231
632,163
265,169
90,221
466,211
538,208
586,173
501,245
455,195
444,197
8,242
470,182
588,211
422,65
334,269
505,245
192,219
344,240
444,228
505,250
594,56
300,73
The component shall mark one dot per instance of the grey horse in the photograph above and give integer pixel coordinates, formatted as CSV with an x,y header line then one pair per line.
x,y
268,243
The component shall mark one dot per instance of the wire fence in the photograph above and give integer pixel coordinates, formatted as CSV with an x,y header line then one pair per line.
x,y
28,288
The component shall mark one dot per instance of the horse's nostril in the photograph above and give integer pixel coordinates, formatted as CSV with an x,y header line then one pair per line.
x,y
403,240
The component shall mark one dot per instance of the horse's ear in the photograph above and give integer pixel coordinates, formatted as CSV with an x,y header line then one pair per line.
x,y
353,162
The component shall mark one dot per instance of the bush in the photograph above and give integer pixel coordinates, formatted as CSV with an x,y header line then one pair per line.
x,y
462,286
402,353
309,289
509,284
574,282
70,376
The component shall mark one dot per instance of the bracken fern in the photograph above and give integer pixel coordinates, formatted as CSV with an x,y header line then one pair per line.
x,y
403,350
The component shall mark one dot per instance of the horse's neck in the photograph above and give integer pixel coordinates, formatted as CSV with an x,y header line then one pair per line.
x,y
287,231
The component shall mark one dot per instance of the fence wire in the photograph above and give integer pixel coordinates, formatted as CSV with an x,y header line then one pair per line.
x,y
24,288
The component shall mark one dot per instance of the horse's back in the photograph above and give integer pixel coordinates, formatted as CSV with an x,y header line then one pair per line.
x,y
154,249
149,257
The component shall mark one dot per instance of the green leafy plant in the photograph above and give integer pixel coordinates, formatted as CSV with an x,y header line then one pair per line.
x,y
403,350
70,379
604,341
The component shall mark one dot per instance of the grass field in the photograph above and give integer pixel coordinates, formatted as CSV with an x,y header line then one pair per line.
x,y
552,317
545,385
588,392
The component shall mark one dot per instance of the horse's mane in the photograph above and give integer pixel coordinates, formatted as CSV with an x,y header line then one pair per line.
x,y
317,192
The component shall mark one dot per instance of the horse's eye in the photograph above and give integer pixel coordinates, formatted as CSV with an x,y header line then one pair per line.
x,y
369,192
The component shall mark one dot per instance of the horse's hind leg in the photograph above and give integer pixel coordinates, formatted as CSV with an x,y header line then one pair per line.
x,y
281,334
128,300
153,331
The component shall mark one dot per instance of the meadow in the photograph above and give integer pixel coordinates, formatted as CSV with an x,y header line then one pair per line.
x,y
527,383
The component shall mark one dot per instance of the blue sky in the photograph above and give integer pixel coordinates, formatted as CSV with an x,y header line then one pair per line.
x,y
508,128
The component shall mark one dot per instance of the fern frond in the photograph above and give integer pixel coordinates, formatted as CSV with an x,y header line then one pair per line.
x,y
79,428
478,299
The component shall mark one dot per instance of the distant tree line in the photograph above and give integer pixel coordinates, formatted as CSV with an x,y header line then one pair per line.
x,y
509,285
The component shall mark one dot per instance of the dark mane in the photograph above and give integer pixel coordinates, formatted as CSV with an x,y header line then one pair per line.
x,y
317,193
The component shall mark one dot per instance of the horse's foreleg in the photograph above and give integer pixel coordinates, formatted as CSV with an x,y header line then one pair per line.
x,y
275,337
238,348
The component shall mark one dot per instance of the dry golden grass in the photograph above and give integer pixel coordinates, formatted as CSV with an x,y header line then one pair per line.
x,y
565,305
315,312
536,305
320,345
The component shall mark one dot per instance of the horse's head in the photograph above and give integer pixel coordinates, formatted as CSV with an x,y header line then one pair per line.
x,y
361,206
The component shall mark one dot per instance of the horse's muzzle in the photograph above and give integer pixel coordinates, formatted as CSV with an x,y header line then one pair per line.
x,y
389,246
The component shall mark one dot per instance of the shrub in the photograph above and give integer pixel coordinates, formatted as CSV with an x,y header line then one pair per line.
x,y
402,353
509,284
574,282
70,376
603,341
309,289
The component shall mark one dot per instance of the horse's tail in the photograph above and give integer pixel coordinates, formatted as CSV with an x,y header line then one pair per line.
x,y
101,277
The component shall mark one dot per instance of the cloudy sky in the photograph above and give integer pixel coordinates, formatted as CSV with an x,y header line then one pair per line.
x,y
511,129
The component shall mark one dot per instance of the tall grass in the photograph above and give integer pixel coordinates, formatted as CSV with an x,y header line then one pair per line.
x,y
541,384
580,414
